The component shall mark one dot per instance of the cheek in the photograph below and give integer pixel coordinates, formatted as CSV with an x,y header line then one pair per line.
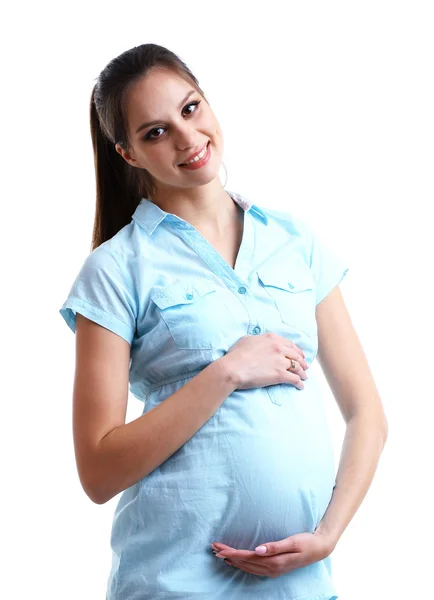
x,y
218,130
221,143
214,126
158,161
218,137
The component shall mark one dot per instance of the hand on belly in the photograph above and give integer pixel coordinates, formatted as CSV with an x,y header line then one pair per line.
x,y
280,557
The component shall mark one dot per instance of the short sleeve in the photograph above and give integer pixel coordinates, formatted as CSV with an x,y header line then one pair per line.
x,y
103,292
328,266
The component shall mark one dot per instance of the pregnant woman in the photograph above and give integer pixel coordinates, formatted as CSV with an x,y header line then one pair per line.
x,y
210,309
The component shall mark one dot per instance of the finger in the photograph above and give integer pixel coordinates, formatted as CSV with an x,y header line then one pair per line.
x,y
286,340
221,546
247,567
299,355
251,564
233,554
294,379
298,369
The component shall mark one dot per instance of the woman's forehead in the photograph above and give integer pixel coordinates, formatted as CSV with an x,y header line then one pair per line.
x,y
151,96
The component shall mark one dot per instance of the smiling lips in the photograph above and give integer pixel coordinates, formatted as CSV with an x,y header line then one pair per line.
x,y
194,156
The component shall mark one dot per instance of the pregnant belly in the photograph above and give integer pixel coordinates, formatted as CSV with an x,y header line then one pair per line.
x,y
256,471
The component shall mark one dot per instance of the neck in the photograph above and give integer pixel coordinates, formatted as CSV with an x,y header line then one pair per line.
x,y
208,208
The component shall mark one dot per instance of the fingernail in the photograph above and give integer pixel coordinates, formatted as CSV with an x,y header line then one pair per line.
x,y
261,549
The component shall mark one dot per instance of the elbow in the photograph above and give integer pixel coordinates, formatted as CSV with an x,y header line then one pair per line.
x,y
96,498
375,422
385,430
96,495
94,479
383,426
94,491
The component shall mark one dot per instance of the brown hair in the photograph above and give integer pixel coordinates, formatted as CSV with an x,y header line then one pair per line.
x,y
119,186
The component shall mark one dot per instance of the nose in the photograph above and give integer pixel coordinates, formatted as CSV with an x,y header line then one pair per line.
x,y
186,137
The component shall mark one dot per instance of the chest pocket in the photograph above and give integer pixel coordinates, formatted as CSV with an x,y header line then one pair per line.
x,y
195,314
293,295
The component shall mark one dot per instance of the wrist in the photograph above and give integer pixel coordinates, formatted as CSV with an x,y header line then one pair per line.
x,y
228,371
330,540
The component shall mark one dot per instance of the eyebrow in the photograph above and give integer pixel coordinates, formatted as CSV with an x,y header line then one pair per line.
x,y
156,122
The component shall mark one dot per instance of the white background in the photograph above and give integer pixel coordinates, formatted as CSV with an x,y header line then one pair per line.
x,y
327,111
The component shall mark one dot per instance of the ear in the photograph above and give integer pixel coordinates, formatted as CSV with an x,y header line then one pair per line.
x,y
126,155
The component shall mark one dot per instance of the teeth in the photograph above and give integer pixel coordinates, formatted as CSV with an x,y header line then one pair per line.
x,y
198,157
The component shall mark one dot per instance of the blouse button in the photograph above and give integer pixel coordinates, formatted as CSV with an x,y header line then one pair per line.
x,y
189,296
242,290
257,330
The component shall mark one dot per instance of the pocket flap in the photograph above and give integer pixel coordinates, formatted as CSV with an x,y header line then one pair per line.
x,y
182,293
279,276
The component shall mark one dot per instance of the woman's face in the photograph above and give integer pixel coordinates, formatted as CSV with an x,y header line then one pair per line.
x,y
182,127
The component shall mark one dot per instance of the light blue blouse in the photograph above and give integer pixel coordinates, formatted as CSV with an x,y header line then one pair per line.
x,y
262,467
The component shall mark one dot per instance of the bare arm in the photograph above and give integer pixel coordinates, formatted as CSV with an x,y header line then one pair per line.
x,y
111,455
132,451
346,369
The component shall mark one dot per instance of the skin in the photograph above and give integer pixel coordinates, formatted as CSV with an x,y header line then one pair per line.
x,y
195,196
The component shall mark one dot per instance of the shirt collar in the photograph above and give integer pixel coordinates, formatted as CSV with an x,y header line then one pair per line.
x,y
149,215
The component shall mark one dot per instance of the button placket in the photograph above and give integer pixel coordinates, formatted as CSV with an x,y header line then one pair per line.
x,y
232,278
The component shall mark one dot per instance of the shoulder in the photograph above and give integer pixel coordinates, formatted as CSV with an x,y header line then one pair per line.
x,y
119,251
104,291
287,227
103,259
290,221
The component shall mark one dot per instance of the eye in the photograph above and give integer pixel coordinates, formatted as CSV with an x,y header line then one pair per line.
x,y
149,137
